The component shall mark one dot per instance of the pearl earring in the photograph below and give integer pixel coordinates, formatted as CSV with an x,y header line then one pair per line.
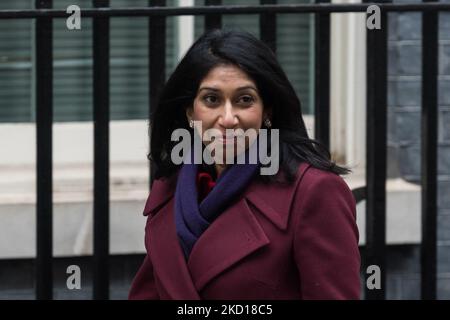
x,y
191,123
268,123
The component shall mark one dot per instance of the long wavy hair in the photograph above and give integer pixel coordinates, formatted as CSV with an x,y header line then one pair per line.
x,y
257,60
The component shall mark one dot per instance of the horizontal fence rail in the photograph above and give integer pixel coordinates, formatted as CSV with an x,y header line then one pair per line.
x,y
235,9
374,192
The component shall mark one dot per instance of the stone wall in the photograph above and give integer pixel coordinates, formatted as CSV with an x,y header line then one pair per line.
x,y
404,133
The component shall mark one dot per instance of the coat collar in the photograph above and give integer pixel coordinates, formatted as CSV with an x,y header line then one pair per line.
x,y
209,257
164,190
277,210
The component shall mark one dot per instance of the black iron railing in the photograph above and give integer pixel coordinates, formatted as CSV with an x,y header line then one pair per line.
x,y
374,192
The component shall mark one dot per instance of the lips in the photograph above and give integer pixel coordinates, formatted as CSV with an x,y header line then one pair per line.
x,y
227,139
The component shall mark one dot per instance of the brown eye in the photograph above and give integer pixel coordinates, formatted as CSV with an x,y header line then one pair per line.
x,y
246,99
210,99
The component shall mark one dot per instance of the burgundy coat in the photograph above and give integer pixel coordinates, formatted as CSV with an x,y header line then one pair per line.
x,y
289,242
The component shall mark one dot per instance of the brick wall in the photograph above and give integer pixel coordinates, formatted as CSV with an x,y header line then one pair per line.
x,y
404,105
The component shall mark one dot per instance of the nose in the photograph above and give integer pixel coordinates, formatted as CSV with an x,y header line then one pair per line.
x,y
228,119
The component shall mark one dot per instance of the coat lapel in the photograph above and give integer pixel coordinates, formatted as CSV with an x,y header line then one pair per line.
x,y
237,233
234,235
275,201
162,191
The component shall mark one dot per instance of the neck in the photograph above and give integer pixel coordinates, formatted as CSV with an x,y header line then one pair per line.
x,y
220,168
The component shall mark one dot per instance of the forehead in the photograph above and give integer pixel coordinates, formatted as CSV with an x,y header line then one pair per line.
x,y
227,75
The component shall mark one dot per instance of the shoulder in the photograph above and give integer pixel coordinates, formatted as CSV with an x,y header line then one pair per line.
x,y
161,191
326,236
311,179
319,190
309,182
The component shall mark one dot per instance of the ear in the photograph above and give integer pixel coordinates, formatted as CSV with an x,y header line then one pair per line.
x,y
267,113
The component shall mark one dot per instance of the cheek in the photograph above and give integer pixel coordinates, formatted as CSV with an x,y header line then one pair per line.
x,y
199,110
253,118
204,114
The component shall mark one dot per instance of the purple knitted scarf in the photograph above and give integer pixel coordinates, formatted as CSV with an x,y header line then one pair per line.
x,y
192,218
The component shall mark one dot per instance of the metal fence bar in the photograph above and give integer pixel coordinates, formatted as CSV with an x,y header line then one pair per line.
x,y
241,9
268,26
44,119
213,21
101,153
376,153
322,77
157,61
429,138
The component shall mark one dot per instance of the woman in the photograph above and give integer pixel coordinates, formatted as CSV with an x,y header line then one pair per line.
x,y
225,231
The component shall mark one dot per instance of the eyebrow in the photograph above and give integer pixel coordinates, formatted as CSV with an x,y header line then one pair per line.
x,y
238,89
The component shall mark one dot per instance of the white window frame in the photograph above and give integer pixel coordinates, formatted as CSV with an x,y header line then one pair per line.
x,y
348,87
185,26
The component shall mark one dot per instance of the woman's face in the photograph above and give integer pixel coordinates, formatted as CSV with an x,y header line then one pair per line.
x,y
227,99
